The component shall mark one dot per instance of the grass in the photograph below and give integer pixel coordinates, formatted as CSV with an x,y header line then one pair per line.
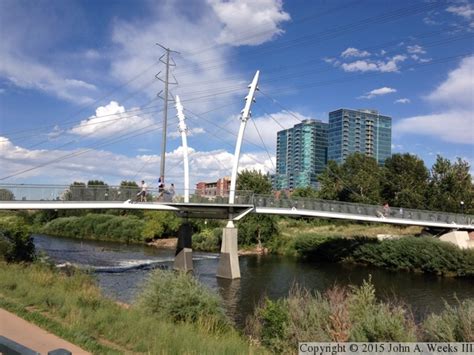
x,y
293,229
72,307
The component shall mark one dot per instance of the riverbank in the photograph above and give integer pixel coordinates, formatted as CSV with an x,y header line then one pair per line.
x,y
321,240
163,321
71,306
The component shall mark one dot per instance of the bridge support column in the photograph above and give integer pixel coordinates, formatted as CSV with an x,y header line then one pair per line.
x,y
183,259
460,238
229,267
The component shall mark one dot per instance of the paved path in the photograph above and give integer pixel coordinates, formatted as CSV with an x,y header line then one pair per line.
x,y
32,336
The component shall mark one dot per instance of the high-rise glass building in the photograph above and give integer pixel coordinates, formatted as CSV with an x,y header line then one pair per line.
x,y
363,131
301,155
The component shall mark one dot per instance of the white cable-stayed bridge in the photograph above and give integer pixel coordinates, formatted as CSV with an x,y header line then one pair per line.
x,y
232,207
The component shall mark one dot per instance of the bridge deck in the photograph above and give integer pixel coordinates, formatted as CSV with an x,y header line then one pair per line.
x,y
30,197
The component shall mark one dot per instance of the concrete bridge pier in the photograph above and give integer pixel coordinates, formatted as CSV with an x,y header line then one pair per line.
x,y
462,239
229,267
183,259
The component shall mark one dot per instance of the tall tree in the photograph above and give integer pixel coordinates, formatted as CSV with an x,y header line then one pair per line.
x,y
306,192
256,228
255,181
331,182
96,183
6,195
405,181
356,180
451,188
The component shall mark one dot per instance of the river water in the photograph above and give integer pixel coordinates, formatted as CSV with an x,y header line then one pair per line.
x,y
121,269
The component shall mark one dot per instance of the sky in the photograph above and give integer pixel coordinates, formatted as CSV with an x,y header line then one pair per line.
x,y
81,82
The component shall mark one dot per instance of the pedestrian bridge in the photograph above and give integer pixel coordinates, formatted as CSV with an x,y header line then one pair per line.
x,y
56,197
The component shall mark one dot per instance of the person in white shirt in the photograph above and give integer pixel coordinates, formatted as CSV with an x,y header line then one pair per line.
x,y
143,191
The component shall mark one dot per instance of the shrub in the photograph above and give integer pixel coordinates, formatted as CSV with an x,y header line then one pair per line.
x,y
160,224
208,240
97,226
409,253
181,298
16,243
340,314
72,307
255,229
372,321
426,254
454,324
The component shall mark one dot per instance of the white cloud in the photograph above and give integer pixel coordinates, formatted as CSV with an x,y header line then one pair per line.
x,y
354,52
237,16
458,89
268,127
200,79
332,61
454,121
416,49
402,101
26,73
466,11
113,168
109,120
191,132
390,65
23,39
91,54
455,126
378,92
360,65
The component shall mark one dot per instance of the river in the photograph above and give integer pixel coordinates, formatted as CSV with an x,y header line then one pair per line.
x,y
121,269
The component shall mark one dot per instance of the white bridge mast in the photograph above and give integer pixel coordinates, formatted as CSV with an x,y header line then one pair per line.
x,y
183,129
243,121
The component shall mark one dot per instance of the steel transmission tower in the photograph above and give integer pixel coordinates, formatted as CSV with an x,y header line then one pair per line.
x,y
168,61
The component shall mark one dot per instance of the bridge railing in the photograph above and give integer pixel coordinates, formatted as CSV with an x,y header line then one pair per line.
x,y
362,209
101,193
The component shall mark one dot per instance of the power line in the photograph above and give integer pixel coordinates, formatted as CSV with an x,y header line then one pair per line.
x,y
123,115
261,139
74,154
221,139
333,32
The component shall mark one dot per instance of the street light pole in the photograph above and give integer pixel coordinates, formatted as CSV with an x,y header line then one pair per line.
x,y
462,207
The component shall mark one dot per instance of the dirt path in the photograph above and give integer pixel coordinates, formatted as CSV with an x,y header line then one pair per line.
x,y
31,336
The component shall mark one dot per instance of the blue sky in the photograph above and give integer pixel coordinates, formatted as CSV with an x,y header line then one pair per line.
x,y
78,93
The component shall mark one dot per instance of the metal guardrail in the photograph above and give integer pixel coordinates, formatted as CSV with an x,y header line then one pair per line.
x,y
101,193
362,209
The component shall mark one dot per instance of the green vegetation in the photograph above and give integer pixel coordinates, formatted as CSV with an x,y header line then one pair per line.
x,y
160,225
16,243
127,228
180,297
6,195
208,240
403,181
256,229
340,314
428,255
454,324
72,307
97,226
